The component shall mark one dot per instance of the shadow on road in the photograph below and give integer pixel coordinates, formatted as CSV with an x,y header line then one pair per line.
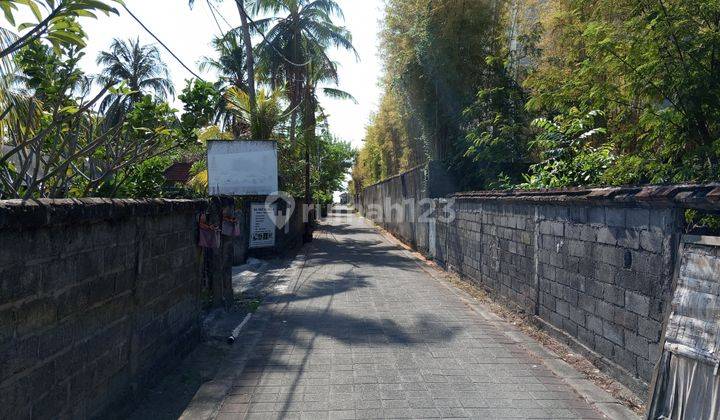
x,y
301,316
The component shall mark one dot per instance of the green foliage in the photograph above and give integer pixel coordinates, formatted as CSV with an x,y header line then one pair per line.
x,y
293,63
651,67
69,150
148,178
335,159
497,127
449,71
645,72
137,66
436,64
144,180
700,223
200,101
51,77
390,146
150,117
56,21
231,61
60,143
261,122
231,69
568,156
294,51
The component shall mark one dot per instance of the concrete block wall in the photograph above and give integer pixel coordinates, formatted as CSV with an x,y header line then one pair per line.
x,y
595,264
599,272
493,244
398,203
605,273
95,296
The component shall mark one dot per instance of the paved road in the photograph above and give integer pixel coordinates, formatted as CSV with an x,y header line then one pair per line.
x,y
361,330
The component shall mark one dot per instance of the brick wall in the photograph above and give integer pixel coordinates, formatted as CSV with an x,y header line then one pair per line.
x,y
597,265
95,295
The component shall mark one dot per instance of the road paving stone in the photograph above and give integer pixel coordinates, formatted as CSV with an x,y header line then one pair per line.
x,y
360,330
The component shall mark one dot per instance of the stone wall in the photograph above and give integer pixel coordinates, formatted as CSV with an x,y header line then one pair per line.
x,y
95,297
400,204
598,271
287,238
595,266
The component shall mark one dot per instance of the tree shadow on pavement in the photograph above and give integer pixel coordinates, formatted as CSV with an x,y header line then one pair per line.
x,y
308,329
302,317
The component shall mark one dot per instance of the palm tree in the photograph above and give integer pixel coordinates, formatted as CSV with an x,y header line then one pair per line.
x,y
262,123
294,50
294,56
231,70
139,66
230,64
17,106
246,32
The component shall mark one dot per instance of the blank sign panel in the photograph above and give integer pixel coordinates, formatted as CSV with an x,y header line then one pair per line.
x,y
242,167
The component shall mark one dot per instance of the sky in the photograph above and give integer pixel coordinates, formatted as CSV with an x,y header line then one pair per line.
x,y
189,32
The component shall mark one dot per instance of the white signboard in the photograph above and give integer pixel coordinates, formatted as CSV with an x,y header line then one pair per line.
x,y
242,167
262,227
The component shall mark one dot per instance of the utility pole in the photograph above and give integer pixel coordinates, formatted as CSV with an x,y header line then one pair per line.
x,y
308,194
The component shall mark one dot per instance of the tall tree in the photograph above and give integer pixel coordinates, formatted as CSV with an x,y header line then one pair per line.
x,y
139,66
295,48
230,66
246,31
249,54
294,52
230,62
453,91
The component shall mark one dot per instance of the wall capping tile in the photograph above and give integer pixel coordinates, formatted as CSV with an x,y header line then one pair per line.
x,y
32,214
697,196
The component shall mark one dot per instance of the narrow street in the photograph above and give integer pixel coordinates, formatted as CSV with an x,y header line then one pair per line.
x,y
360,329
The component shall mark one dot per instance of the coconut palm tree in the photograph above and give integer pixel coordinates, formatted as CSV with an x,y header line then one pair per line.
x,y
246,31
230,64
295,48
294,56
139,67
231,70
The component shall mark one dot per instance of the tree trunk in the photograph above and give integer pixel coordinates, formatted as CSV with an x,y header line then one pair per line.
x,y
250,57
308,195
309,126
